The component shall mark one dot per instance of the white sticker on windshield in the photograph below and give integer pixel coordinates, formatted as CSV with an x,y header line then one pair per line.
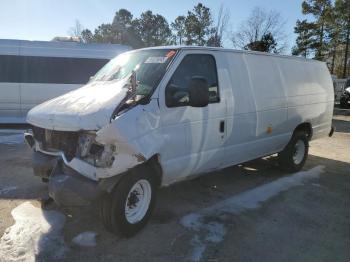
x,y
156,60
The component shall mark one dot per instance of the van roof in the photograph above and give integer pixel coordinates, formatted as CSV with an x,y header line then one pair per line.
x,y
60,49
221,49
60,44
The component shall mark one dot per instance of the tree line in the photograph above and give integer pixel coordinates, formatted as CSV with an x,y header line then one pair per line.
x,y
263,31
323,35
197,27
326,35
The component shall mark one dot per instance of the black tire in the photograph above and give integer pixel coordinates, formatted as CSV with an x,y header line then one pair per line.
x,y
343,103
113,206
287,158
105,211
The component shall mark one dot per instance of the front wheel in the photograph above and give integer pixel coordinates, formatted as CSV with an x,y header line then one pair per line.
x,y
128,208
294,155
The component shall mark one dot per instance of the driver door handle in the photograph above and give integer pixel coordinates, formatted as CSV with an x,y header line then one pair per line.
x,y
222,126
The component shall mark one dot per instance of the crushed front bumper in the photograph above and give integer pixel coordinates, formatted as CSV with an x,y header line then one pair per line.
x,y
43,164
66,186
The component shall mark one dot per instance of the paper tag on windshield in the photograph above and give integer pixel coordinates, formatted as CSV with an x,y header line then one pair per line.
x,y
156,60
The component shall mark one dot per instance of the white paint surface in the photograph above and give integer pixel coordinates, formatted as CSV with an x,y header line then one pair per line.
x,y
87,108
35,236
85,239
208,231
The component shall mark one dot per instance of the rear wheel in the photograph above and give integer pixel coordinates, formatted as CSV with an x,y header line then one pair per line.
x,y
294,155
128,208
343,102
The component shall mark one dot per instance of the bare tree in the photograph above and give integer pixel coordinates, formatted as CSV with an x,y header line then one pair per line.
x,y
260,24
220,28
76,30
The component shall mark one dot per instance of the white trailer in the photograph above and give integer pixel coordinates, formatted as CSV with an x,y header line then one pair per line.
x,y
156,116
32,72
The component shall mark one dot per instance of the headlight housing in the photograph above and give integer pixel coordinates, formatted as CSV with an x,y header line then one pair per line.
x,y
94,153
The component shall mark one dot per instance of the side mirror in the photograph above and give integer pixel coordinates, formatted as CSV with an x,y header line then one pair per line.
x,y
174,94
198,92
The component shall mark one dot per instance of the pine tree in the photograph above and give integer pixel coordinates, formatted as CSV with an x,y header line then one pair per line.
x,y
198,25
305,40
178,27
342,8
321,10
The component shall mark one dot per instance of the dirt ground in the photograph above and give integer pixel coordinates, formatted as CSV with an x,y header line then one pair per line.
x,y
251,212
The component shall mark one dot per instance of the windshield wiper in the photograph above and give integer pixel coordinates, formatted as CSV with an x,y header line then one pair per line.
x,y
133,84
133,91
130,98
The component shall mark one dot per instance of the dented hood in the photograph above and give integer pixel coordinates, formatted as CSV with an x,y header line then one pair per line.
x,y
87,108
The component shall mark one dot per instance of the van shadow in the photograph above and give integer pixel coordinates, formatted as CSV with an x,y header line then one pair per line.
x,y
189,196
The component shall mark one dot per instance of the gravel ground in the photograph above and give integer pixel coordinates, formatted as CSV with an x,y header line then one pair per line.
x,y
251,212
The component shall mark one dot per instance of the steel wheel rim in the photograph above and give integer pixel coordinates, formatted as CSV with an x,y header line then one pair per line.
x,y
138,201
299,152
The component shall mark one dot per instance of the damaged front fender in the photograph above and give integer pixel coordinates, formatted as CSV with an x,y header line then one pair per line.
x,y
135,136
129,140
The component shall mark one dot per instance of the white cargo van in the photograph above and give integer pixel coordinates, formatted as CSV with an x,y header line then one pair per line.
x,y
156,116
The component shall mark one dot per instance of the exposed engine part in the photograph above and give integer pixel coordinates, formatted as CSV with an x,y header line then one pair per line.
x,y
51,140
93,152
74,144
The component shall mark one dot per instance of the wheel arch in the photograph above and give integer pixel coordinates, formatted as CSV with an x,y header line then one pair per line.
x,y
151,165
304,127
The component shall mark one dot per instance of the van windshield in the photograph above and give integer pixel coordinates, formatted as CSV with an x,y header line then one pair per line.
x,y
149,65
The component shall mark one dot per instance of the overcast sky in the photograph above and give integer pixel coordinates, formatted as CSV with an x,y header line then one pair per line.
x,y
45,19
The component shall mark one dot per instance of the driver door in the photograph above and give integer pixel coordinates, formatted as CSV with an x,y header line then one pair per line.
x,y
194,136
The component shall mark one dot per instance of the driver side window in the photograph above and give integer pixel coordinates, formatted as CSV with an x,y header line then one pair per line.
x,y
195,65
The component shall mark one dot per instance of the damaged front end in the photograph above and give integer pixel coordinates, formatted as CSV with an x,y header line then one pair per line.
x,y
76,166
89,137
81,165
83,151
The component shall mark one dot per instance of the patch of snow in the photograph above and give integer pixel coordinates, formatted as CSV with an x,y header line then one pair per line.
x,y
318,185
4,191
198,249
85,239
216,232
192,221
252,199
207,230
35,236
